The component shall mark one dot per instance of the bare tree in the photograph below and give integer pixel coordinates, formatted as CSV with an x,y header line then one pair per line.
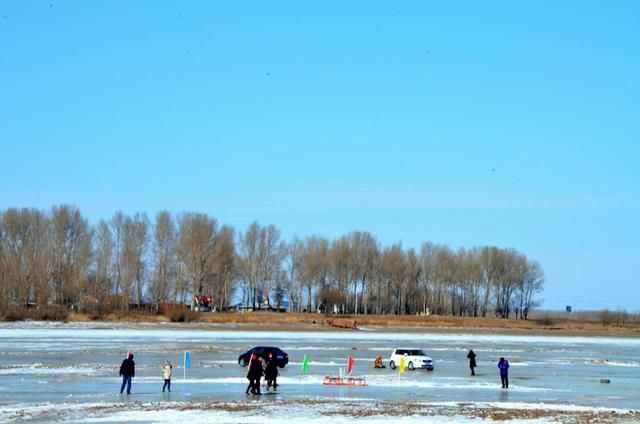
x,y
164,257
511,267
427,277
224,265
249,262
530,284
260,262
70,244
392,269
365,251
104,265
489,263
270,261
314,269
412,274
117,227
196,245
24,258
292,259
135,242
341,269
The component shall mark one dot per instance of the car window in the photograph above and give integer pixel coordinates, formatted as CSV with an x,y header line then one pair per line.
x,y
417,352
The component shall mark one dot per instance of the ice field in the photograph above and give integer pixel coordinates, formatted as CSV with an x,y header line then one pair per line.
x,y
69,373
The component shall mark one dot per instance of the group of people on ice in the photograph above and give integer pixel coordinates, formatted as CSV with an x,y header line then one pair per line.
x,y
503,366
267,367
259,366
128,371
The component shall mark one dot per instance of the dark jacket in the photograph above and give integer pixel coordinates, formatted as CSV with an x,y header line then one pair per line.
x,y
271,370
255,370
472,358
128,367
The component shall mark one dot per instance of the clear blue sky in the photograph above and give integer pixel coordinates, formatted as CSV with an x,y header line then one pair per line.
x,y
507,123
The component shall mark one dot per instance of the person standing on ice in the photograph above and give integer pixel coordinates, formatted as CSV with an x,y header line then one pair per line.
x,y
271,372
166,375
503,365
127,371
472,361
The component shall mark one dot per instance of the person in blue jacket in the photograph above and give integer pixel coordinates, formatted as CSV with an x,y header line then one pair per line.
x,y
503,365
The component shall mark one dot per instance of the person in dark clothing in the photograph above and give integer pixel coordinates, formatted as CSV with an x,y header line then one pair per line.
x,y
503,364
258,371
250,375
472,361
127,371
271,372
254,374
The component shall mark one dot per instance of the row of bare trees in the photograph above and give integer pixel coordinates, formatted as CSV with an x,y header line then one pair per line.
x,y
57,257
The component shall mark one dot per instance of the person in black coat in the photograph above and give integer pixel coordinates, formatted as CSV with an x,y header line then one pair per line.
x,y
472,361
254,374
127,371
271,372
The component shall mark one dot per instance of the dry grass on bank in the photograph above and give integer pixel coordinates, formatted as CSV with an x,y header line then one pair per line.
x,y
304,321
307,321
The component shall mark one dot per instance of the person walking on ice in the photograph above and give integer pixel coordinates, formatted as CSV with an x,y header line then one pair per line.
x,y
166,375
127,371
503,365
254,374
271,373
472,361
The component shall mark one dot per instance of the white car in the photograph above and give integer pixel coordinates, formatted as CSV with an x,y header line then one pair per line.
x,y
414,358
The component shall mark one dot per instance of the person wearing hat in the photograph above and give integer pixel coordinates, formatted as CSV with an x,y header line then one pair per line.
x,y
166,375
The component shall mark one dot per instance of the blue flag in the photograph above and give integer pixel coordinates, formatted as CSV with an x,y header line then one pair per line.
x,y
187,359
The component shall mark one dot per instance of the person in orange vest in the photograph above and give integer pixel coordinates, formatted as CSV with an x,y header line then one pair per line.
x,y
378,362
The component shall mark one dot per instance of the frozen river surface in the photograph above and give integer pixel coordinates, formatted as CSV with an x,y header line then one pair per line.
x,y
69,373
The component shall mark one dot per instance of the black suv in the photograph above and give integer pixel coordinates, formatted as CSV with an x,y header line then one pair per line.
x,y
279,355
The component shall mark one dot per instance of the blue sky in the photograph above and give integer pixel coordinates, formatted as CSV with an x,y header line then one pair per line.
x,y
513,124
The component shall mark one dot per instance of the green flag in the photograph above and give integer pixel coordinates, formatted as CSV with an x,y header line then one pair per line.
x,y
305,364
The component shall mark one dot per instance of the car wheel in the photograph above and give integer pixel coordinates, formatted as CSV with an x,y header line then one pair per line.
x,y
242,363
392,365
410,365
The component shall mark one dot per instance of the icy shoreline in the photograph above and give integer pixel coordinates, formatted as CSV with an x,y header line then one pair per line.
x,y
80,330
